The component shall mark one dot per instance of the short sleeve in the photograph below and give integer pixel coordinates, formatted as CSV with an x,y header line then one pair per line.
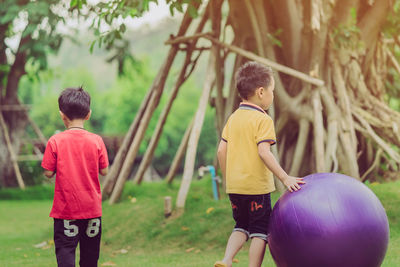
x,y
265,131
224,136
49,161
103,157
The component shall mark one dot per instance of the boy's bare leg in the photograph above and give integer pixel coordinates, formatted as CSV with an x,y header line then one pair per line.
x,y
235,243
256,252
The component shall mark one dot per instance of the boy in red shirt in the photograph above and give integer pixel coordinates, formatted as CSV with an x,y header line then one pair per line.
x,y
77,157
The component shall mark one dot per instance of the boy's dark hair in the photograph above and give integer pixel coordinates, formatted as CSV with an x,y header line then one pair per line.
x,y
251,76
74,103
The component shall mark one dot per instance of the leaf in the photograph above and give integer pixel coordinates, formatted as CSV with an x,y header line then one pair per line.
x,y
4,68
353,13
145,5
100,41
189,250
92,46
179,7
40,245
29,30
11,13
122,28
209,210
73,3
133,12
171,9
109,18
193,11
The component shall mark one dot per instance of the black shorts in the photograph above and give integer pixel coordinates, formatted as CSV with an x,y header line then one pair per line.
x,y
251,214
67,235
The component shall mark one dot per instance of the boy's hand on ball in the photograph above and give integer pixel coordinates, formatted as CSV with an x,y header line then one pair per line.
x,y
293,183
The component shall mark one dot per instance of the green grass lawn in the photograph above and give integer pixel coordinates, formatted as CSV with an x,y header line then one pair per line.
x,y
135,233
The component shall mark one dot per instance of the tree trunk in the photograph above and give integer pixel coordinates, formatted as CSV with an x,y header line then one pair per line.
x,y
15,121
333,120
329,95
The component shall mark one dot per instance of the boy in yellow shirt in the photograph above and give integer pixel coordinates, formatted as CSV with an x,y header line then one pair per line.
x,y
248,164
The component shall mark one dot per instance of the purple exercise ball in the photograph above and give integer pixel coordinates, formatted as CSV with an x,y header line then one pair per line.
x,y
333,221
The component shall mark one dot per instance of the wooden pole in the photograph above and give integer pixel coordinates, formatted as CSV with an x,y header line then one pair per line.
x,y
319,146
348,135
300,147
112,176
382,143
233,93
195,134
167,206
37,130
25,108
15,107
143,124
183,75
157,87
179,154
184,39
393,60
257,33
11,151
272,64
252,56
148,156
216,6
29,158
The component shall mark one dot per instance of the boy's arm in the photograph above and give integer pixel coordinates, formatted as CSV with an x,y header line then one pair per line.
x,y
48,173
103,158
103,171
222,156
49,161
292,183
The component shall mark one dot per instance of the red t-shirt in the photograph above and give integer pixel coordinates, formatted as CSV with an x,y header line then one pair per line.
x,y
76,156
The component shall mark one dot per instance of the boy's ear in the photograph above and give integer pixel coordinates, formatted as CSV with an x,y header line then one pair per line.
x,y
88,115
260,91
62,115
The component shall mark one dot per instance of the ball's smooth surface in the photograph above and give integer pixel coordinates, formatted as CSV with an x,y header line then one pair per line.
x,y
333,220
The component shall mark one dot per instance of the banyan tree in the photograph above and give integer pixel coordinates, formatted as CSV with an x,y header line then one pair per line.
x,y
331,61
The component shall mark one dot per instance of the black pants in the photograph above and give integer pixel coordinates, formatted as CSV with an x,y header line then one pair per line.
x,y
67,235
251,214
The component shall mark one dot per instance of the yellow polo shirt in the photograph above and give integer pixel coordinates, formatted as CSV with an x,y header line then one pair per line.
x,y
246,173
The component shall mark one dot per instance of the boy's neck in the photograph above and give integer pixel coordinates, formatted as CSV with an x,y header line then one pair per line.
x,y
252,102
77,123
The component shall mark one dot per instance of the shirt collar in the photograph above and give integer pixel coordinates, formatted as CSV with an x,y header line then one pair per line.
x,y
248,105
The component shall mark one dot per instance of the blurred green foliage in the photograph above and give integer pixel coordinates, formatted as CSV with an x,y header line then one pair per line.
x,y
37,38
114,108
348,35
113,12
